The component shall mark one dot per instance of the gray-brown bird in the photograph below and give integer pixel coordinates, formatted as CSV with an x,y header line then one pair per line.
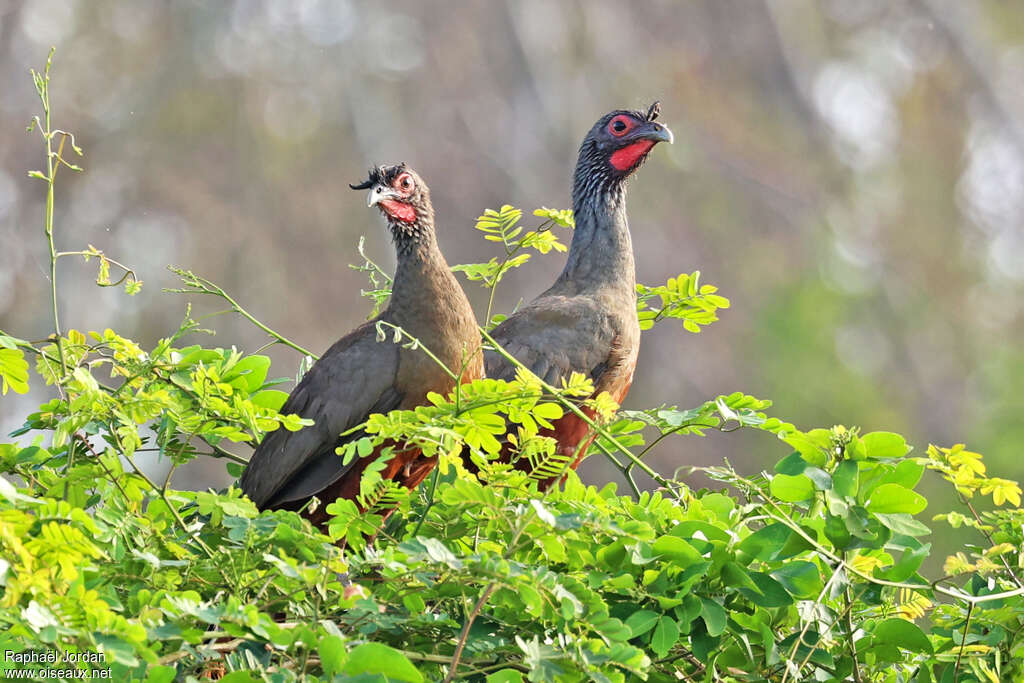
x,y
587,321
360,375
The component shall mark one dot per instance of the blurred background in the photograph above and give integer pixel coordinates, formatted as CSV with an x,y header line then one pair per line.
x,y
851,174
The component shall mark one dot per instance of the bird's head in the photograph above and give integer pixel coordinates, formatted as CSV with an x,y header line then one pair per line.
x,y
619,142
400,194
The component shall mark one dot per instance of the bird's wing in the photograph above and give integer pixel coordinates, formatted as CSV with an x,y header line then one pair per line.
x,y
354,378
555,336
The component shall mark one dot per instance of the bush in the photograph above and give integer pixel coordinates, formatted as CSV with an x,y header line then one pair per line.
x,y
808,572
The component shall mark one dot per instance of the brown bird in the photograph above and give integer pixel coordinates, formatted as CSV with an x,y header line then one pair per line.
x,y
360,375
586,321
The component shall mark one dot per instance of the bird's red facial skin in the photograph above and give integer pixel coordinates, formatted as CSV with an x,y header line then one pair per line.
x,y
627,157
399,210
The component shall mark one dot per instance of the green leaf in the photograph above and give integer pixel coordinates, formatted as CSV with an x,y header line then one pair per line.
x,y
718,503
885,445
904,634
252,370
690,528
822,479
844,480
376,658
13,371
505,676
905,473
641,622
761,589
9,342
332,654
764,543
665,635
812,445
269,398
161,674
793,464
902,523
563,217
677,551
240,677
714,615
801,579
907,565
890,498
792,489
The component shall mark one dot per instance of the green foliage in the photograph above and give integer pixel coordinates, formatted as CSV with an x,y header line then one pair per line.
x,y
503,226
682,298
808,572
13,366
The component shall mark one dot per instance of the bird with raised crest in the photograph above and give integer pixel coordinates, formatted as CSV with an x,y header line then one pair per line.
x,y
362,374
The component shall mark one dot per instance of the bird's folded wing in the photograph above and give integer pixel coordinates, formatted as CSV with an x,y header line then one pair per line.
x,y
356,377
554,337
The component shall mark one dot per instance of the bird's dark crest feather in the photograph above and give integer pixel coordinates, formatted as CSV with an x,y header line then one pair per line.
x,y
380,175
654,111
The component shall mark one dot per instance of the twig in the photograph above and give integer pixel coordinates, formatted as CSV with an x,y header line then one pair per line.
x,y
988,536
430,501
963,641
524,522
414,344
42,83
195,284
848,618
128,271
113,478
218,647
464,635
800,636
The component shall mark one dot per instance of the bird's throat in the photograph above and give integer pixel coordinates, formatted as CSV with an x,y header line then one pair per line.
x,y
399,210
626,158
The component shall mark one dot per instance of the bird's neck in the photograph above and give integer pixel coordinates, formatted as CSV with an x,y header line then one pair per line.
x,y
601,253
421,274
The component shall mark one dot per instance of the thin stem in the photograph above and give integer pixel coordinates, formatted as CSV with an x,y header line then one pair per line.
x,y
174,511
195,284
674,430
524,522
128,271
96,456
465,631
47,132
988,536
381,324
963,640
430,501
502,269
848,618
493,667
800,636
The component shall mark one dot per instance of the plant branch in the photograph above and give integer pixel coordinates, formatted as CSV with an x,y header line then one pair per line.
x,y
195,284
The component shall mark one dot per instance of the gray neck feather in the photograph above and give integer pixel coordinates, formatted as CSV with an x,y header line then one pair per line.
x,y
601,253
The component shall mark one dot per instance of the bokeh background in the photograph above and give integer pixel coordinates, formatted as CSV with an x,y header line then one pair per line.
x,y
851,174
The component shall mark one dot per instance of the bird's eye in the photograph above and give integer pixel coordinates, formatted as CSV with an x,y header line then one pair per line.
x,y
405,181
619,126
